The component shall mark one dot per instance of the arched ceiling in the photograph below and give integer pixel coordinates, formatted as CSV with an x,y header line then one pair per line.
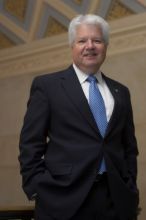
x,y
24,21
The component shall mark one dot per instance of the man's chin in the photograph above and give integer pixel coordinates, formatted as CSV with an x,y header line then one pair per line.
x,y
92,64
93,68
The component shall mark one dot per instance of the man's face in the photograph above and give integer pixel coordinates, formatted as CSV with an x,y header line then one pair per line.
x,y
89,49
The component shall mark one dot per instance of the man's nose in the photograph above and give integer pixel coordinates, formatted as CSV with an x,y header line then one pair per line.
x,y
89,44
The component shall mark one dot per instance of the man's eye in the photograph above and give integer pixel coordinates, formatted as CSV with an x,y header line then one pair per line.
x,y
81,41
98,41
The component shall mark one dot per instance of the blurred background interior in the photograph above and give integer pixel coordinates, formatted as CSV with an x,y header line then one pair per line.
x,y
33,41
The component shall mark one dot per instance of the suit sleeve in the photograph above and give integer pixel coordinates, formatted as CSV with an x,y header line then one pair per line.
x,y
130,143
33,138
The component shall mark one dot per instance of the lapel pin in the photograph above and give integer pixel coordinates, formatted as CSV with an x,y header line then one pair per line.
x,y
116,90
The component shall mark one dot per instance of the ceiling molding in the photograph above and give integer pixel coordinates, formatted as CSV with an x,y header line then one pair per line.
x,y
19,11
11,26
62,7
118,10
94,6
47,56
32,23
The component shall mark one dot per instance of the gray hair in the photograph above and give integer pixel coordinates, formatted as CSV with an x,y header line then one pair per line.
x,y
90,19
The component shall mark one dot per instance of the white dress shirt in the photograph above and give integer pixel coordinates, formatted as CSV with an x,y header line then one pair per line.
x,y
105,92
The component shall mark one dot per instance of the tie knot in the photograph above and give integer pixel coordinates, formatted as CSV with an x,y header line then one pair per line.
x,y
91,79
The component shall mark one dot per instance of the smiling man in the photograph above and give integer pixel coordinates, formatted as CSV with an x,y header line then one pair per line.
x,y
89,48
77,146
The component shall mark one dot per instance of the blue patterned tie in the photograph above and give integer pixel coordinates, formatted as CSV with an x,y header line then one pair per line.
x,y
97,107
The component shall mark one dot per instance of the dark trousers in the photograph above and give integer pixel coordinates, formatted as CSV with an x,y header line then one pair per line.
x,y
98,204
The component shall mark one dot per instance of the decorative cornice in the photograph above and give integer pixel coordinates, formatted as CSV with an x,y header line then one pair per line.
x,y
127,35
128,40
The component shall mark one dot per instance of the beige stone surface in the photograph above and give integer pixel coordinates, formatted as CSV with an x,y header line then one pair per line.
x,y
130,68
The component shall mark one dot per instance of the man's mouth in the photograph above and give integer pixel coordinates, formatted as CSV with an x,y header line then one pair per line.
x,y
90,54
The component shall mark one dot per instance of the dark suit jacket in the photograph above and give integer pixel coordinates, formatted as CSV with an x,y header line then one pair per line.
x,y
62,169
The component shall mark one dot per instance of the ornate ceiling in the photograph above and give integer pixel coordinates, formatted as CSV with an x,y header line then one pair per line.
x,y
24,21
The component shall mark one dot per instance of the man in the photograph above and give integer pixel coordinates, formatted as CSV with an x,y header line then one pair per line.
x,y
76,165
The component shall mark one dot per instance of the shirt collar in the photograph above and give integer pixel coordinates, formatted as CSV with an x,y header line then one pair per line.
x,y
83,76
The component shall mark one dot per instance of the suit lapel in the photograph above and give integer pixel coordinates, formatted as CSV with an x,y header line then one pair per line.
x,y
72,87
115,90
74,91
